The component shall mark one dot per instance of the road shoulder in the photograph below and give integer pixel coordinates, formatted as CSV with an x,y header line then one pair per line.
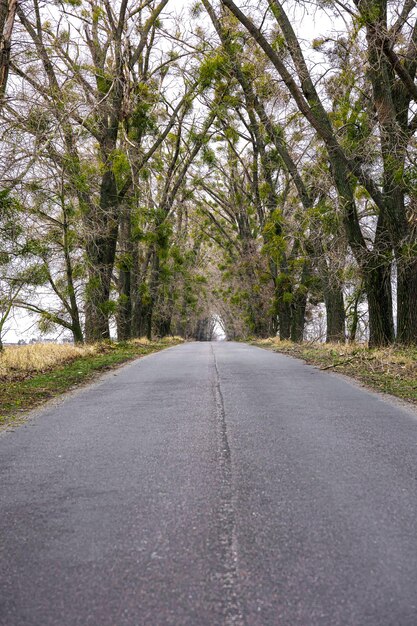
x,y
391,373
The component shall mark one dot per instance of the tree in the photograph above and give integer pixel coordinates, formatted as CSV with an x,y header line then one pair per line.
x,y
375,259
119,102
291,290
170,176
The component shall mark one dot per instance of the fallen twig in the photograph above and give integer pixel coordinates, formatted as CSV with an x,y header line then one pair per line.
x,y
347,361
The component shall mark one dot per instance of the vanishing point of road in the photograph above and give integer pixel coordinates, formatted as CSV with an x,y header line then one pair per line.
x,y
211,485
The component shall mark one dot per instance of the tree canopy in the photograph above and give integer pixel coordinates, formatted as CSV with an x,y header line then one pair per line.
x,y
167,170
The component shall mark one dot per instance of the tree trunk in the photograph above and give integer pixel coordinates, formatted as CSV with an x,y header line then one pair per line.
x,y
299,305
7,18
136,295
284,315
140,316
204,330
101,251
124,312
77,331
261,327
377,280
164,327
163,320
353,319
335,315
148,322
98,293
153,293
407,302
298,313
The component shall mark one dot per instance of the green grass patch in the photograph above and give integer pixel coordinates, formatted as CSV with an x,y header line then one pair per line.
x,y
390,370
19,396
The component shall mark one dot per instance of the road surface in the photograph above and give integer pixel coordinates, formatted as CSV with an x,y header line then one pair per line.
x,y
211,484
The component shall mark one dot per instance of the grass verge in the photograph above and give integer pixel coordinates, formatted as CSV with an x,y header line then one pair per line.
x,y
30,375
390,370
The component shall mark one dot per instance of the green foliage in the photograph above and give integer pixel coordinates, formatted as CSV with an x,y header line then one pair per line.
x,y
279,43
197,9
145,294
208,156
125,262
274,241
35,275
10,208
212,68
142,120
120,166
108,308
97,13
231,134
46,323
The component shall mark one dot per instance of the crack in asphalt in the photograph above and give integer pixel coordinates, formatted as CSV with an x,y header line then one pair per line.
x,y
233,614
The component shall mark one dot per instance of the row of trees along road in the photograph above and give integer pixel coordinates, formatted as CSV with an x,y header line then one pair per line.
x,y
168,168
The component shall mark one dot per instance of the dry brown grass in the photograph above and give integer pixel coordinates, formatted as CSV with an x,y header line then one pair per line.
x,y
141,341
173,339
18,362
144,341
383,357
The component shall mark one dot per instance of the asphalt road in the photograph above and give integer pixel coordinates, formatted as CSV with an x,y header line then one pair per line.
x,y
211,484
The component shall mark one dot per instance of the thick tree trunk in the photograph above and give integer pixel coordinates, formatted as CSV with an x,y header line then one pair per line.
x,y
298,310
139,317
153,293
136,295
101,251
335,315
204,330
124,312
148,322
407,302
163,327
353,320
377,279
97,306
98,290
77,331
136,313
163,321
392,106
354,326
282,302
261,328
284,315
299,305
